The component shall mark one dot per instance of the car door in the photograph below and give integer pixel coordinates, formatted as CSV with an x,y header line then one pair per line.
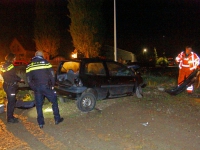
x,y
95,77
121,79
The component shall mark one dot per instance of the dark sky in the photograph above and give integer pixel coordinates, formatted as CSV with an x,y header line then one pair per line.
x,y
167,25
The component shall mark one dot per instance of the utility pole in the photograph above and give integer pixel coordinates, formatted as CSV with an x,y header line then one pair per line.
x,y
115,33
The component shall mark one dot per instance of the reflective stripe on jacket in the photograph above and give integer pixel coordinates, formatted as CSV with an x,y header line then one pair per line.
x,y
191,61
7,68
9,73
38,65
40,71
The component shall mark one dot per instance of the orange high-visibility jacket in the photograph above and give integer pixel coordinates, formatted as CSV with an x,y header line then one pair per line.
x,y
191,61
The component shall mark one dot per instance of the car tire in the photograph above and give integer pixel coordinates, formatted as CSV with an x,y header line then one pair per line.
x,y
139,92
86,102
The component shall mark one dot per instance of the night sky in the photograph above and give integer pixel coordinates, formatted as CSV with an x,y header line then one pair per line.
x,y
167,25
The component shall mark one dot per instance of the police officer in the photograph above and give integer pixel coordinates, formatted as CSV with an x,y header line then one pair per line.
x,y
10,86
41,79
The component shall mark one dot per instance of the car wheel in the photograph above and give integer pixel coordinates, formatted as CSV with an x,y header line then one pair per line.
x,y
139,92
86,102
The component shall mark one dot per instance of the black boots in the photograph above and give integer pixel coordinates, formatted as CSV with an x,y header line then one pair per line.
x,y
59,121
56,122
13,120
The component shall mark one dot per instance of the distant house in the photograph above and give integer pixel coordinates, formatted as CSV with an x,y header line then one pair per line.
x,y
23,49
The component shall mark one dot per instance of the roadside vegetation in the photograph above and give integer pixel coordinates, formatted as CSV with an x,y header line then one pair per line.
x,y
155,97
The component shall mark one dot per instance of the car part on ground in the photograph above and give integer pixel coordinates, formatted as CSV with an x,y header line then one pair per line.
x,y
183,86
139,92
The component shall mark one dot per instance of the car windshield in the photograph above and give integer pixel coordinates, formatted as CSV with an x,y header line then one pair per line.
x,y
116,69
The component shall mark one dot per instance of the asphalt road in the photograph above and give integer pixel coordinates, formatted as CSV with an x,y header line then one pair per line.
x,y
157,122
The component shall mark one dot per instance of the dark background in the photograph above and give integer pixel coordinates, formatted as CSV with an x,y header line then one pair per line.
x,y
166,25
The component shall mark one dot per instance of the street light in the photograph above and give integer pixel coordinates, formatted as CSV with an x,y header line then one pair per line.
x,y
144,50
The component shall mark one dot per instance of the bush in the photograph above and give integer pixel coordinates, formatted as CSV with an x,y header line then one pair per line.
x,y
162,61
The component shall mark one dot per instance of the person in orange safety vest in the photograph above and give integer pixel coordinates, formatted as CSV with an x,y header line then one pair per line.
x,y
188,62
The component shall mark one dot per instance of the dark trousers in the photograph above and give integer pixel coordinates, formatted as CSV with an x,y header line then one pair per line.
x,y
41,92
11,96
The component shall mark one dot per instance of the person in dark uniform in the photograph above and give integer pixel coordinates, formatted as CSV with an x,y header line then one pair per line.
x,y
10,86
41,79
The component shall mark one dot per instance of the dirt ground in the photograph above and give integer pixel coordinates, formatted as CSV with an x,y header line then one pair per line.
x,y
156,122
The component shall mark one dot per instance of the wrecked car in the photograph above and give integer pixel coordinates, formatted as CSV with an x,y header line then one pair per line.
x,y
87,80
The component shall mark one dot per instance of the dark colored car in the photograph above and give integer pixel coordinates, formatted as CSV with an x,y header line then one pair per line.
x,y
88,80
171,62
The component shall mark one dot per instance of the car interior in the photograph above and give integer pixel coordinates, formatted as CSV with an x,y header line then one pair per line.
x,y
68,73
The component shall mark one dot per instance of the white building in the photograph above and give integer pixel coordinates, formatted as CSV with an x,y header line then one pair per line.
x,y
121,54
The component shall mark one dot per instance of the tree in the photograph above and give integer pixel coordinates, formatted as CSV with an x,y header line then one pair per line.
x,y
46,31
87,27
4,49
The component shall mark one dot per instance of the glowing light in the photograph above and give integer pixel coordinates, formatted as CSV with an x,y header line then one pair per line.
x,y
144,50
46,110
74,55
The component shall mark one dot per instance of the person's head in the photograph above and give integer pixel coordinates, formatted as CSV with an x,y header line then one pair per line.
x,y
188,50
39,53
10,57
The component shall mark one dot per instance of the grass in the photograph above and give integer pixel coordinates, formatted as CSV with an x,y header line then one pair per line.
x,y
160,100
161,81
